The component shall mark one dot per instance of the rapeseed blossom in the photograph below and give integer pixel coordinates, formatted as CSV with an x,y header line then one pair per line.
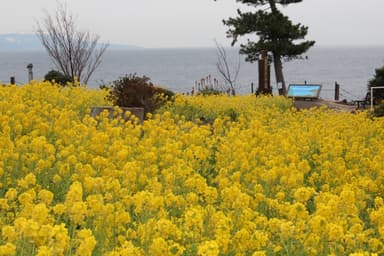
x,y
214,175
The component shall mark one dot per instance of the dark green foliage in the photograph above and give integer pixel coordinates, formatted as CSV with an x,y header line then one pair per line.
x,y
58,77
276,33
377,81
134,91
379,110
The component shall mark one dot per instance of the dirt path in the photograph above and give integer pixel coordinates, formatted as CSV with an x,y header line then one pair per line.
x,y
339,106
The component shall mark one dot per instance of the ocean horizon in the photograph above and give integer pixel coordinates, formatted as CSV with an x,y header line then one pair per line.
x,y
179,68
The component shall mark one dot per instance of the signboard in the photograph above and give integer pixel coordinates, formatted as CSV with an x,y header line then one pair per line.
x,y
310,91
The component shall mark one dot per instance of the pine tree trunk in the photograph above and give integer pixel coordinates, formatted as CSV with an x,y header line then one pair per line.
x,y
279,73
277,60
272,4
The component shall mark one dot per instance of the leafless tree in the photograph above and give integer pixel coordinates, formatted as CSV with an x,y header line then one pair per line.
x,y
75,53
224,68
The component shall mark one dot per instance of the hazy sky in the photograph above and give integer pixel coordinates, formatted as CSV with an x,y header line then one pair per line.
x,y
196,23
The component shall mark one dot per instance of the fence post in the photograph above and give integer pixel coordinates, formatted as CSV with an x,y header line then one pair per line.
x,y
337,91
12,80
30,72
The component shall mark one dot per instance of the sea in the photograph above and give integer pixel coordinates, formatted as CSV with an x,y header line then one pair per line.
x,y
181,69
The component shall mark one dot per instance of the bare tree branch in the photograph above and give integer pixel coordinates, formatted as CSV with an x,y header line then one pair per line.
x,y
75,53
224,68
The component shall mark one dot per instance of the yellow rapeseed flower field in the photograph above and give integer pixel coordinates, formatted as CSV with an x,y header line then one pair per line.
x,y
211,175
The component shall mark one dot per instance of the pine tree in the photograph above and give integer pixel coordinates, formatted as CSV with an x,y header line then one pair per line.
x,y
377,81
275,31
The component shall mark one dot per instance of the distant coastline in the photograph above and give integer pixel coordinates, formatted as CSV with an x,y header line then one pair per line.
x,y
16,42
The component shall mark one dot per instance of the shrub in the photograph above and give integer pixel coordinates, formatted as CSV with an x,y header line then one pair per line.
x,y
377,80
58,77
134,91
379,110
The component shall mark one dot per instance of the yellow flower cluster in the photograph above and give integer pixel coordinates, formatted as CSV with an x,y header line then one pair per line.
x,y
271,181
208,108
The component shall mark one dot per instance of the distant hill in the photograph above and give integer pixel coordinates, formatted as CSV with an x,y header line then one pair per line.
x,y
30,42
